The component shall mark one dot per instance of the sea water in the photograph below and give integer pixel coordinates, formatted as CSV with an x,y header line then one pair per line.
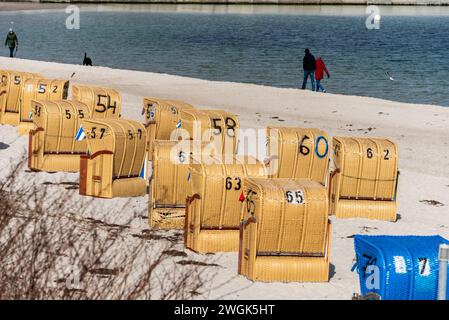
x,y
406,59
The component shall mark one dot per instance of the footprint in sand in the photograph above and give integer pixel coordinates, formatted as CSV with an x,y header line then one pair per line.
x,y
432,203
174,253
197,263
367,129
367,229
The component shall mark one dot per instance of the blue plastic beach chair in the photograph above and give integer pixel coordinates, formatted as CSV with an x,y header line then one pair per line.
x,y
398,267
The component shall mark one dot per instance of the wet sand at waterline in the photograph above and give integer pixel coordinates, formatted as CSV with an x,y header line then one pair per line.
x,y
420,131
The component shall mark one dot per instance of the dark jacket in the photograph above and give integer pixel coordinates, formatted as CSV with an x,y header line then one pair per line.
x,y
11,40
308,63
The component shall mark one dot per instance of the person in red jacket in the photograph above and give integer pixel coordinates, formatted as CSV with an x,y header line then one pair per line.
x,y
320,67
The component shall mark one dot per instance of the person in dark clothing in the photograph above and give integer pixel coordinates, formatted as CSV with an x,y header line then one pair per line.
x,y
309,66
11,42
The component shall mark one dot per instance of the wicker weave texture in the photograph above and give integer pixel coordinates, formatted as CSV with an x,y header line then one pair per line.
x,y
11,90
104,102
299,152
365,181
286,233
218,127
160,118
117,150
39,89
169,184
368,209
218,187
368,167
291,214
56,124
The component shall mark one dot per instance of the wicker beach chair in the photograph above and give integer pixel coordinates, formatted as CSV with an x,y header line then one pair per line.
x,y
285,235
11,89
104,102
298,153
365,181
160,118
168,183
39,89
116,162
398,267
213,212
52,145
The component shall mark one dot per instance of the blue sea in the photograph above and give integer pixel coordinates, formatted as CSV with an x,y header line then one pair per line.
x,y
252,44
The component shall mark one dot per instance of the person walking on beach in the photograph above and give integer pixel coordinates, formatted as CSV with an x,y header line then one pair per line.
x,y
320,67
309,66
11,42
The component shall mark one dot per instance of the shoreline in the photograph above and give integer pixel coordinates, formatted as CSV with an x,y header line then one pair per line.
x,y
3,59
267,2
352,7
420,132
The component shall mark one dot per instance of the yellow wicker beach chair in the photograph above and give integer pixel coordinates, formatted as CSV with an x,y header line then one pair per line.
x,y
213,211
52,145
160,118
168,184
298,153
286,232
365,181
180,121
104,102
39,89
116,163
217,126
11,89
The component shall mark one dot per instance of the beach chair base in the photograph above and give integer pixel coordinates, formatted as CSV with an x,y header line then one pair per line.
x,y
166,218
210,241
368,209
290,269
25,127
96,179
129,187
10,118
57,163
281,268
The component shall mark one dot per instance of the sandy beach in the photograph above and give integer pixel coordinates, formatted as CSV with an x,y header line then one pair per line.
x,y
421,132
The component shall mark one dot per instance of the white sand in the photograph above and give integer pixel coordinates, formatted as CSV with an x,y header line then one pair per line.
x,y
421,132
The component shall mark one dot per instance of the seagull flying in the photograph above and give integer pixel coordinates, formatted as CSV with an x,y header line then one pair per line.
x,y
389,76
